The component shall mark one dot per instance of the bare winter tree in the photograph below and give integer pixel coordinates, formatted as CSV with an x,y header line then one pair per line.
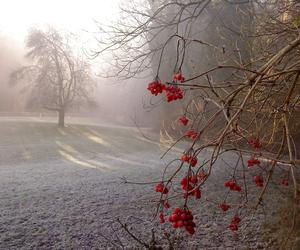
x,y
58,78
235,65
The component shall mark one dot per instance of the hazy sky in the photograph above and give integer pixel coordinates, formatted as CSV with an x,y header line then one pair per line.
x,y
16,16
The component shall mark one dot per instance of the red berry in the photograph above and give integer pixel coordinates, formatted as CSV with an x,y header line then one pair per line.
x,y
233,227
252,162
254,143
184,181
192,134
178,77
180,223
183,120
236,220
173,93
189,217
194,179
177,210
185,158
190,230
197,193
160,188
183,217
236,188
224,206
155,87
175,217
188,212
258,179
193,161
232,186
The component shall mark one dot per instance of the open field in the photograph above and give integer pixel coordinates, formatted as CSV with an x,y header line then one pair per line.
x,y
61,188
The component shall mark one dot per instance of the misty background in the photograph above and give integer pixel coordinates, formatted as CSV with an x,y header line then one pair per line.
x,y
117,100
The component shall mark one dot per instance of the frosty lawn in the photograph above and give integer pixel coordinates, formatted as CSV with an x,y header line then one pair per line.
x,y
61,188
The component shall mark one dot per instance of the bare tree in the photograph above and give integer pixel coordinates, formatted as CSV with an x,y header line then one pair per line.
x,y
58,78
245,75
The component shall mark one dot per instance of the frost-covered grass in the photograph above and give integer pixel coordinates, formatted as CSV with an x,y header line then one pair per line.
x,y
61,188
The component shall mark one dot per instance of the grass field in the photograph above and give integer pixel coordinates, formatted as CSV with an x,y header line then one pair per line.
x,y
62,188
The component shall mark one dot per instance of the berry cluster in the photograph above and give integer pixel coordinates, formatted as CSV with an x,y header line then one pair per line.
x,y
178,77
232,185
182,218
185,158
254,143
191,160
234,223
224,206
156,88
252,162
160,188
188,184
173,93
259,181
183,120
192,134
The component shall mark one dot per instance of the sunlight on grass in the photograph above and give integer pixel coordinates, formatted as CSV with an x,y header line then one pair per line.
x,y
82,163
66,147
96,139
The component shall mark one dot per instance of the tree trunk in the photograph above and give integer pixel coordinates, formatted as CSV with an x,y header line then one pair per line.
x,y
61,118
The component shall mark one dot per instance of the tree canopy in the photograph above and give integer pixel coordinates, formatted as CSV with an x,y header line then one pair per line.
x,y
58,77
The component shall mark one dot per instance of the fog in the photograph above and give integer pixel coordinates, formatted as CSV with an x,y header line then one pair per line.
x,y
117,100
11,99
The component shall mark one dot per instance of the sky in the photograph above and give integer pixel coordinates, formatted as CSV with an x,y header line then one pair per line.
x,y
17,16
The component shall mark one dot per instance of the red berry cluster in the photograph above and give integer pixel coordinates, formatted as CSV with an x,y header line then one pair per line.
x,y
156,88
259,181
254,143
160,188
234,223
182,218
232,185
187,158
173,93
252,162
188,184
224,206
183,120
284,182
178,77
192,134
